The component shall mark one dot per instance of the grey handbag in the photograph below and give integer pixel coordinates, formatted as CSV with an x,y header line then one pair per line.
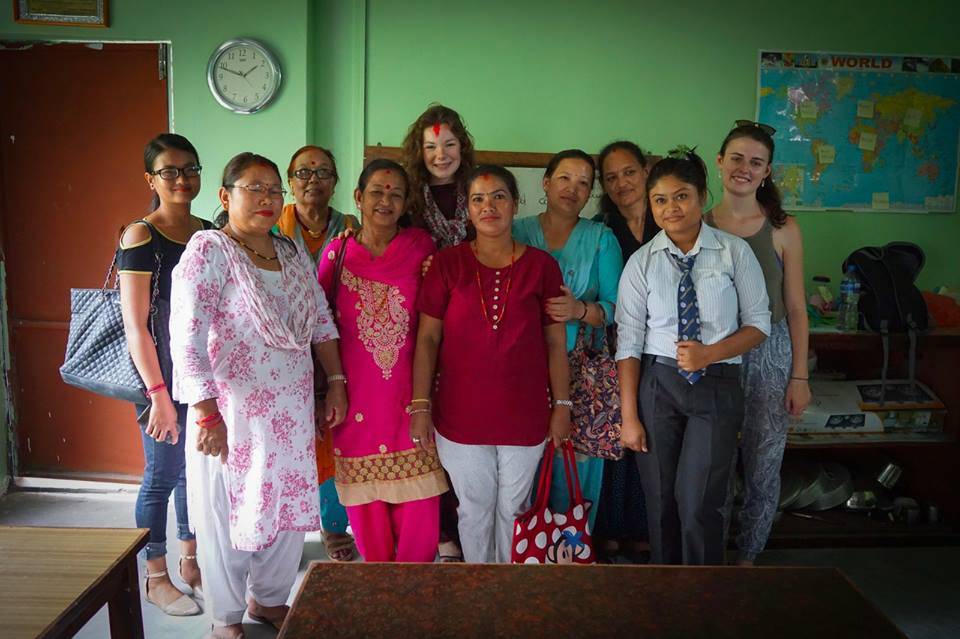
x,y
97,357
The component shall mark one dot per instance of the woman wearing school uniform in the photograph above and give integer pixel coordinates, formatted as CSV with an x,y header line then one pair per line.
x,y
690,303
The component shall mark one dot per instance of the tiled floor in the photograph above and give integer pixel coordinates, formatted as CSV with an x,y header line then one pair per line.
x,y
916,587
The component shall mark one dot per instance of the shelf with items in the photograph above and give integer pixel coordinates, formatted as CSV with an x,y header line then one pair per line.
x,y
930,460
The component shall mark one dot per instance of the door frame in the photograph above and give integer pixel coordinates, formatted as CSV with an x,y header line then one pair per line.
x,y
9,429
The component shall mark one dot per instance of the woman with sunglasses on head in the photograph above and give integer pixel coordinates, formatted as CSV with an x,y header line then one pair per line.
x,y
247,321
622,512
690,303
591,262
775,374
172,171
311,222
438,157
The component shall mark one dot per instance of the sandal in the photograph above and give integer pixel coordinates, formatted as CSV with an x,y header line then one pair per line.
x,y
182,606
340,547
449,553
197,591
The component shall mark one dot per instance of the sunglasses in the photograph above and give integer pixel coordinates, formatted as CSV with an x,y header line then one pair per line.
x,y
766,128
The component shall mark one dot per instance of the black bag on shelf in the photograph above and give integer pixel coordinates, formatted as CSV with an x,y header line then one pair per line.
x,y
890,301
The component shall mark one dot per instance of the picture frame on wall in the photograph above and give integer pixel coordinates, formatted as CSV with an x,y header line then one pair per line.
x,y
73,13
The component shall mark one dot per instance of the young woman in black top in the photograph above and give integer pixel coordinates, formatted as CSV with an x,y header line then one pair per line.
x,y
149,249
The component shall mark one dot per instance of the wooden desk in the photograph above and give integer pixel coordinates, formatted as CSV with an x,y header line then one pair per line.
x,y
469,600
53,580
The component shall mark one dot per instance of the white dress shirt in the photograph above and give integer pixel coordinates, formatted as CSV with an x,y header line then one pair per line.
x,y
730,293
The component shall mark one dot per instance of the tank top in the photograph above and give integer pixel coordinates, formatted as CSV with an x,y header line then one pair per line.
x,y
761,243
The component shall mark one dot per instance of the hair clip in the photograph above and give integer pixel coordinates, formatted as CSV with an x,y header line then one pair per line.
x,y
682,152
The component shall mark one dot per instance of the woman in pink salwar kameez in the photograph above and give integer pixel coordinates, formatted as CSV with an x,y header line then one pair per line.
x,y
389,486
246,317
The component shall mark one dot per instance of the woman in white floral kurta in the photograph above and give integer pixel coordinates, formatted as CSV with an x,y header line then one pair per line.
x,y
245,312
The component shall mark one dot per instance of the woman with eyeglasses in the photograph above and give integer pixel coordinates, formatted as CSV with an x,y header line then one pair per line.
x,y
774,375
247,320
311,222
149,249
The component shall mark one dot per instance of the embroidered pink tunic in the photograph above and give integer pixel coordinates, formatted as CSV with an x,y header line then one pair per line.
x,y
243,336
374,456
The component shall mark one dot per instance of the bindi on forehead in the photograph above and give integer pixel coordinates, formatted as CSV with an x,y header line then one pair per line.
x,y
387,186
486,177
436,129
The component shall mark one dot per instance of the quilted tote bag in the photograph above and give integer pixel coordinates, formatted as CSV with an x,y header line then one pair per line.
x,y
541,536
595,393
97,357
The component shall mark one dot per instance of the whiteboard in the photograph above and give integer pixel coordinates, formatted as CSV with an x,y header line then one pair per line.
x,y
532,199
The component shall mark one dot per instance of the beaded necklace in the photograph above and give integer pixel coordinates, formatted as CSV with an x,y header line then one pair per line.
x,y
497,319
252,250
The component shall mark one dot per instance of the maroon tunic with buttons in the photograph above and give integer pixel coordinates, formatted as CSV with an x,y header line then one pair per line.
x,y
492,384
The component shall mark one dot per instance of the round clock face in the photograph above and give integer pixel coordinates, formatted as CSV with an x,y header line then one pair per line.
x,y
243,75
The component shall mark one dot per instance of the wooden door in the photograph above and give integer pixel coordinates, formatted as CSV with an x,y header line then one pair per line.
x,y
74,119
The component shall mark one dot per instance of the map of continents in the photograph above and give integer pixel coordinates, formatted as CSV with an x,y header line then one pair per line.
x,y
863,132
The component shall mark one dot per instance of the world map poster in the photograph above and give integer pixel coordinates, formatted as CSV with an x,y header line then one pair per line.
x,y
862,132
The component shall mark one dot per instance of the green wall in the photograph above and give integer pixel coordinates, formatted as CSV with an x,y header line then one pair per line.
x,y
542,76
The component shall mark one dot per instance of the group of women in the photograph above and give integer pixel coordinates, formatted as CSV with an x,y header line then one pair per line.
x,y
417,388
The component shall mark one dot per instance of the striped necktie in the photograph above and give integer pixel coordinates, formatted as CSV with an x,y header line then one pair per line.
x,y
688,313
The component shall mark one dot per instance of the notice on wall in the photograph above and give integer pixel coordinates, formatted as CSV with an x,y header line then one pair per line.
x,y
852,126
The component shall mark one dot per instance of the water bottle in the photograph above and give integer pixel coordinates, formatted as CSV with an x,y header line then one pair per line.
x,y
849,314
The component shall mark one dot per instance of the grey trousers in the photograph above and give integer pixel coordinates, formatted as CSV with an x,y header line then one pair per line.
x,y
691,437
493,484
766,369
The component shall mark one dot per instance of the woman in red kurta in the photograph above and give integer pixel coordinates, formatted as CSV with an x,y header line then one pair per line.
x,y
495,360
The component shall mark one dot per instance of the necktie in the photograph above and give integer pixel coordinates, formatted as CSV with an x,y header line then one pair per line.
x,y
688,313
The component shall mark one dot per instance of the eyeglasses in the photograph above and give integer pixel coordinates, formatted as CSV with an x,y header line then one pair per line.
x,y
766,128
259,189
172,172
322,174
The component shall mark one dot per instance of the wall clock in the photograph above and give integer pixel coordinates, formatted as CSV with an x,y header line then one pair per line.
x,y
243,75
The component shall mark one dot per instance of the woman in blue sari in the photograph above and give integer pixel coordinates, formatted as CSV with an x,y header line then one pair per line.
x,y
591,262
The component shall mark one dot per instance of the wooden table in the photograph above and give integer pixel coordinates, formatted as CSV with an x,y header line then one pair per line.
x,y
53,580
463,601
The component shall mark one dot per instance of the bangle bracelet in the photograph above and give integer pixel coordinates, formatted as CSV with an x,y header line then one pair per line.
x,y
336,378
418,410
800,379
584,314
419,401
563,402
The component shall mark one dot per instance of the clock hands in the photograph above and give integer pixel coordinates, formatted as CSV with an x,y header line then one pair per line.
x,y
228,70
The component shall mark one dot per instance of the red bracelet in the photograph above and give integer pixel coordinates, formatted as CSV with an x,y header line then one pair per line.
x,y
209,418
155,389
206,422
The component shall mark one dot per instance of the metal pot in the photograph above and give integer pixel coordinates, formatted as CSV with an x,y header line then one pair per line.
x,y
837,486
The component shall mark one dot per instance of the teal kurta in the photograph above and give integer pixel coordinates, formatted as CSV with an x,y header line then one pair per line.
x,y
591,262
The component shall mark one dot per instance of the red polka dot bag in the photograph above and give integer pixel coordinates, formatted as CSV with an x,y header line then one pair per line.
x,y
541,536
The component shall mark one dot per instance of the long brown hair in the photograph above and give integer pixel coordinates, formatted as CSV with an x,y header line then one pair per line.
x,y
436,114
768,195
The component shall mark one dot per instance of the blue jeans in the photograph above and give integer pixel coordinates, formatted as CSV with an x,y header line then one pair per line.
x,y
164,472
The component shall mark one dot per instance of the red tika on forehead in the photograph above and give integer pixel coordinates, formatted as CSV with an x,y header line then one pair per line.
x,y
436,129
486,177
387,186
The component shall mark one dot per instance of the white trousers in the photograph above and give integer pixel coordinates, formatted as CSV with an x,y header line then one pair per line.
x,y
228,573
493,484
